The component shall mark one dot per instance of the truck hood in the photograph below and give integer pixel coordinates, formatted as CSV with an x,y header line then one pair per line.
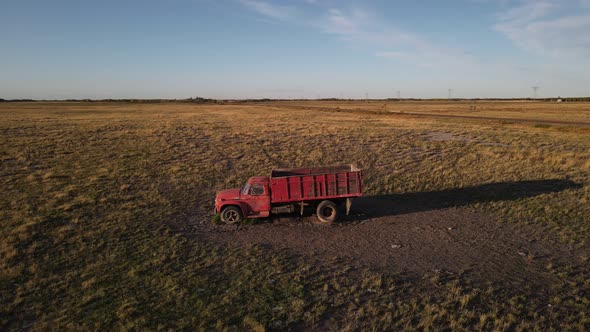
x,y
229,194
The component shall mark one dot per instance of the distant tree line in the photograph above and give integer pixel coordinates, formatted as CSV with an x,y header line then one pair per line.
x,y
197,100
258,100
16,100
201,100
572,99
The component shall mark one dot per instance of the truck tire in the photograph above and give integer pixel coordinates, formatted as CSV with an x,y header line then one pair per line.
x,y
327,212
231,215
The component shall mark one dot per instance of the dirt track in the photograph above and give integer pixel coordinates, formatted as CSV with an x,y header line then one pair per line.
x,y
489,118
442,116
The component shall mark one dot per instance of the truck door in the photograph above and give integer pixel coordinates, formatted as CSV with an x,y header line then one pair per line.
x,y
259,200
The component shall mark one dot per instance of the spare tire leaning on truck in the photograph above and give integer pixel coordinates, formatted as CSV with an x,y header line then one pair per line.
x,y
290,190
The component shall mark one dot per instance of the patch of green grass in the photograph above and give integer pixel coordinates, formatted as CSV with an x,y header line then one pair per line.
x,y
253,221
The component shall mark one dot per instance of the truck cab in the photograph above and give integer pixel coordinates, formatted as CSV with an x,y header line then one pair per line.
x,y
250,201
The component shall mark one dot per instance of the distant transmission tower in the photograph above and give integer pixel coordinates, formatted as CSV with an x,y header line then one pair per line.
x,y
450,93
399,95
367,97
535,89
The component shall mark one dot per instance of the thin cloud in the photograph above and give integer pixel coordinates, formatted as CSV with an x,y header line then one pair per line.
x,y
553,28
344,24
391,54
277,12
363,28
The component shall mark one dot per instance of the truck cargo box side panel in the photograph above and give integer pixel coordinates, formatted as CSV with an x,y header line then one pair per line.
x,y
308,187
353,183
341,180
294,188
332,189
320,183
295,185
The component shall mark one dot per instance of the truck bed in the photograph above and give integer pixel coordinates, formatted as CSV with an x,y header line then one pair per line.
x,y
304,184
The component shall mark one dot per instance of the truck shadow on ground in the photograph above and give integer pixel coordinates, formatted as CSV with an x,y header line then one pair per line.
x,y
396,204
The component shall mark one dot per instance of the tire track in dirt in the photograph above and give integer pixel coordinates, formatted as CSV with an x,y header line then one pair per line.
x,y
431,115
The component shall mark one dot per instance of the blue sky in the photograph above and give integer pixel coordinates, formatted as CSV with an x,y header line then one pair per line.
x,y
293,49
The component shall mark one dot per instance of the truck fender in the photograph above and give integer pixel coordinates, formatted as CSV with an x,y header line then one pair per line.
x,y
239,205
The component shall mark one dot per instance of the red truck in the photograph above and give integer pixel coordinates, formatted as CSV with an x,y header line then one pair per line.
x,y
323,188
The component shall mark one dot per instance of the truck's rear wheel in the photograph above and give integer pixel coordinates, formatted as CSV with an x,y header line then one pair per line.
x,y
231,215
327,212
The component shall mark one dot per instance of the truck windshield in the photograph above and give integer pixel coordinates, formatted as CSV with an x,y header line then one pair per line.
x,y
245,189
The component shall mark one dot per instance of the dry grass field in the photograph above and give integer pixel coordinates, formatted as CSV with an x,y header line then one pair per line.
x,y
467,224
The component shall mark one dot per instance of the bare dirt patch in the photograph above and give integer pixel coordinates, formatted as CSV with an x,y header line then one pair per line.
x,y
452,241
417,234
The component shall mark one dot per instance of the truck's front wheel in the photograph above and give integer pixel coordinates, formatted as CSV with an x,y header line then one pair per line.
x,y
231,215
327,212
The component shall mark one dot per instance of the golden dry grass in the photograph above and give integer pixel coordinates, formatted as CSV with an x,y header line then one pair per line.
x,y
91,194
